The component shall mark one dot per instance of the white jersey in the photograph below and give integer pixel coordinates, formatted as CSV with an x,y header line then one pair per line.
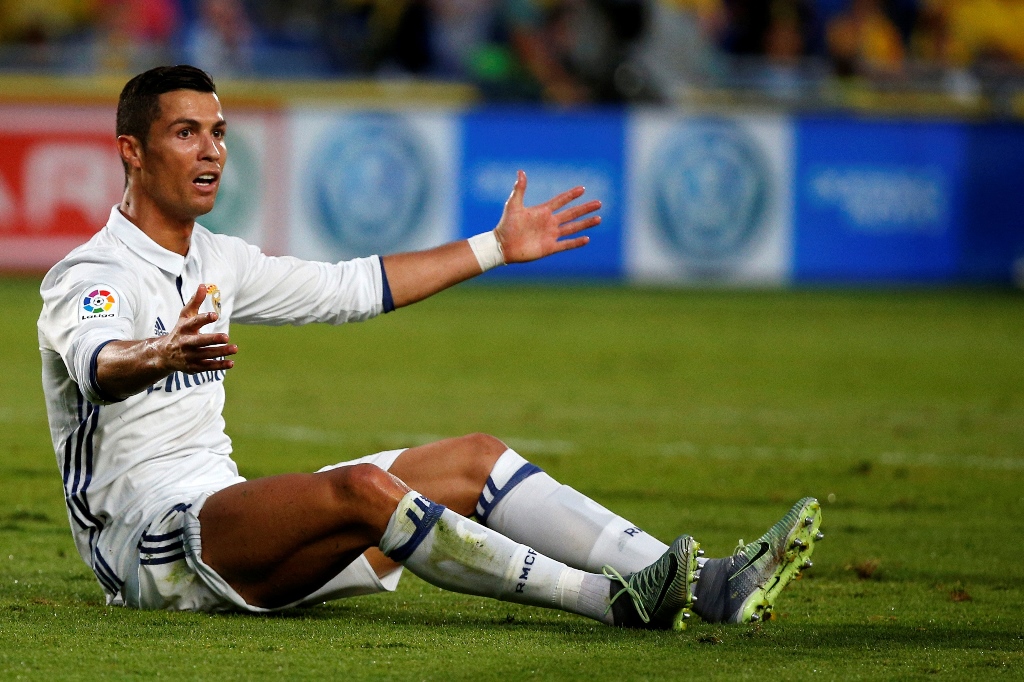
x,y
125,462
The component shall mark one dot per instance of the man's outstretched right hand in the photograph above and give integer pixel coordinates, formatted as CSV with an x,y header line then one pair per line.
x,y
186,349
124,368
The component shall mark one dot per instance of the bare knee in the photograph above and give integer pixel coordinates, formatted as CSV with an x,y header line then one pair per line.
x,y
477,454
366,483
451,472
367,492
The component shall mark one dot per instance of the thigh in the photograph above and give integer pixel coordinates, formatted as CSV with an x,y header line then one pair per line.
x,y
276,540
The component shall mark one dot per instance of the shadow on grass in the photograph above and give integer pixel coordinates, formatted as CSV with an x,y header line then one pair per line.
x,y
882,635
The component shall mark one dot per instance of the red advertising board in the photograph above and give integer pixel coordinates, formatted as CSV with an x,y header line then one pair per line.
x,y
59,176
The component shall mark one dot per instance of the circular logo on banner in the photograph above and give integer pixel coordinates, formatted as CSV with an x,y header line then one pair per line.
x,y
711,186
239,192
371,184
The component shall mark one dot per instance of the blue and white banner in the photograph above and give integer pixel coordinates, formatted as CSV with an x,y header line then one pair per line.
x,y
558,152
712,199
709,199
877,201
366,183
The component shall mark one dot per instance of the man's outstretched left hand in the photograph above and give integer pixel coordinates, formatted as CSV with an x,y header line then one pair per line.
x,y
527,233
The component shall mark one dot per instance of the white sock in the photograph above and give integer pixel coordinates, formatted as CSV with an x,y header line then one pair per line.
x,y
452,552
524,503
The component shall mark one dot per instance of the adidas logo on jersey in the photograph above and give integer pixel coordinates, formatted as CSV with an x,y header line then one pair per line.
x,y
159,329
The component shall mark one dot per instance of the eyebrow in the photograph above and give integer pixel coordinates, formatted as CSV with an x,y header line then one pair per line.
x,y
192,122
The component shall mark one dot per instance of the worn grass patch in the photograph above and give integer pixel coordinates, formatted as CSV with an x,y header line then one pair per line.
x,y
704,412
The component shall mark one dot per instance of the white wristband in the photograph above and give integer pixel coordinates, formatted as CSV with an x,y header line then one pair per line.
x,y
487,250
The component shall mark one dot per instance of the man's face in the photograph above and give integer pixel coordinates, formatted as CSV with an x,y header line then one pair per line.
x,y
184,154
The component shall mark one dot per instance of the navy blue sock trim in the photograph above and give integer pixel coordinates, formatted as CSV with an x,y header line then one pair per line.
x,y
92,374
431,513
518,477
388,299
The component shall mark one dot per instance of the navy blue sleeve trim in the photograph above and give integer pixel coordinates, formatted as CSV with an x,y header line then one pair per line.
x,y
388,301
92,375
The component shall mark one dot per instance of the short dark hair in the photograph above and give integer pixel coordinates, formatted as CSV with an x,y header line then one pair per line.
x,y
139,104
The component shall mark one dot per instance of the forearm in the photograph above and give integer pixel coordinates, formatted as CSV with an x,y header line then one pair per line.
x,y
522,235
124,368
418,275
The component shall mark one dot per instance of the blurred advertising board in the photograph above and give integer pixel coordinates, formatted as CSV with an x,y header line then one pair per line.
x,y
709,199
253,195
59,176
877,200
689,199
992,240
365,183
558,151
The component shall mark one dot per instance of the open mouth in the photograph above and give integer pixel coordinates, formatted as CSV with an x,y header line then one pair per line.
x,y
206,179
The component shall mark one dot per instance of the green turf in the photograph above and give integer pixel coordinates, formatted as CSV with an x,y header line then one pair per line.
x,y
704,412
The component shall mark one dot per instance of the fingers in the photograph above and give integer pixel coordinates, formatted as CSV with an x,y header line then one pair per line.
x,y
515,200
200,357
576,243
193,306
573,228
194,324
190,320
564,198
577,211
210,352
208,365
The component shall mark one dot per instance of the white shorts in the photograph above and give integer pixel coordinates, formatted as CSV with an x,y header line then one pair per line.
x,y
171,574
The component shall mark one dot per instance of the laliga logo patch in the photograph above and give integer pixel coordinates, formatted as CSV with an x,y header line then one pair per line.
x,y
100,301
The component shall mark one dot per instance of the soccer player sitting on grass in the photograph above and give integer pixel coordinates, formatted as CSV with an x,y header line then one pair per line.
x,y
135,346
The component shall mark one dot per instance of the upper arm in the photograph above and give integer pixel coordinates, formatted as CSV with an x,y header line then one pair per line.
x,y
286,290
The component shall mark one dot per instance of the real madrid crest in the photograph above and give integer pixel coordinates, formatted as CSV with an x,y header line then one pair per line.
x,y
214,293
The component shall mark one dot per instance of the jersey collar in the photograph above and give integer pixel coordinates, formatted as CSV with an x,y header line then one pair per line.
x,y
139,242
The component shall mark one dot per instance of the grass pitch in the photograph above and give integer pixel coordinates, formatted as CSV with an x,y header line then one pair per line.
x,y
704,412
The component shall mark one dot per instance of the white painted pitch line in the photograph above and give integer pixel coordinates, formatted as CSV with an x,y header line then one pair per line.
x,y
733,452
929,459
305,434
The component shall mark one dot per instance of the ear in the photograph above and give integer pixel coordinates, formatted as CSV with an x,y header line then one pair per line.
x,y
131,151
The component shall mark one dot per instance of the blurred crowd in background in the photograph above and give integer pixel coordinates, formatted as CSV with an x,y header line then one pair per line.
x,y
564,51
